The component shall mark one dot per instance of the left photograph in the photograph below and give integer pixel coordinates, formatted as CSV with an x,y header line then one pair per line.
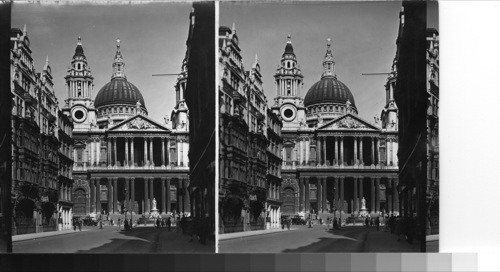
x,y
110,151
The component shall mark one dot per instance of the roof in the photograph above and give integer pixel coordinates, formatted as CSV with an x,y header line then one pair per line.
x,y
329,90
118,91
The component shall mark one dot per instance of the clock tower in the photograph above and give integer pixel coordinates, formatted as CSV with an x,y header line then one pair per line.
x,y
79,84
289,81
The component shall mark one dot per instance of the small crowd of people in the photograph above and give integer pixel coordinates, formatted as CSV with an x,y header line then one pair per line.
x,y
77,223
334,221
286,221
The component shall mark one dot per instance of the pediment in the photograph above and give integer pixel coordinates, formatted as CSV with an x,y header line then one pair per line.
x,y
348,122
138,123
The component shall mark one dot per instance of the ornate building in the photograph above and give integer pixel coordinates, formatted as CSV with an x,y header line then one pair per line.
x,y
125,162
35,143
65,177
433,130
249,141
332,158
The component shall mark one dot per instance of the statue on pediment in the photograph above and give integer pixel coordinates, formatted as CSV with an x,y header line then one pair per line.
x,y
139,124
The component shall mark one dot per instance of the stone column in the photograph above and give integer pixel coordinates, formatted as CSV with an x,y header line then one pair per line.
x,y
301,151
168,154
151,187
132,151
342,150
110,196
342,192
387,155
361,150
115,195
126,162
372,206
360,190
355,150
377,193
378,150
318,151
180,201
391,152
301,194
115,143
319,194
356,200
336,191
168,194
127,193
186,196
324,194
145,151
98,196
146,198
109,152
98,151
163,154
308,149
151,151
132,193
324,149
395,194
307,192
373,150
389,197
336,150
163,195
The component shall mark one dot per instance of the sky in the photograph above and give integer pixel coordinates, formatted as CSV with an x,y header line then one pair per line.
x,y
152,41
363,39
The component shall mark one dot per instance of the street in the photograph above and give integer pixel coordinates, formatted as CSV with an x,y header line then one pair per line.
x,y
319,239
110,240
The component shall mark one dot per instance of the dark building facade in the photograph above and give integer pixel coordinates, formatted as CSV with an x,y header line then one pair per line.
x,y
412,97
199,93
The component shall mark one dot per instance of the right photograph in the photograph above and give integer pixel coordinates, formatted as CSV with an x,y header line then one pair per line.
x,y
328,127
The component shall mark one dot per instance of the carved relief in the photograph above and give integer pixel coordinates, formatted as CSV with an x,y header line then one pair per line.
x,y
139,124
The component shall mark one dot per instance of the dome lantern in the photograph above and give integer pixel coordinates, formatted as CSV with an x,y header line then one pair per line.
x,y
328,63
118,64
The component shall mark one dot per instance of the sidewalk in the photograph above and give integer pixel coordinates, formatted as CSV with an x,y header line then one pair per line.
x,y
32,236
234,235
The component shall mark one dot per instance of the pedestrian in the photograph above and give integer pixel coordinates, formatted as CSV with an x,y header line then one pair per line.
x,y
80,223
157,223
75,222
288,222
377,222
282,223
367,222
169,223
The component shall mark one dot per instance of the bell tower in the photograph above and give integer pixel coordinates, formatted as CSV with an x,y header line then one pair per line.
x,y
288,82
79,84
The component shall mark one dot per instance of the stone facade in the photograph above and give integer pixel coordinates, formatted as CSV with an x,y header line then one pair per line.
x,y
36,141
123,159
249,143
332,158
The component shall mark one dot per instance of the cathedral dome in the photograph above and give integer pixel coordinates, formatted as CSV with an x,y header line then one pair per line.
x,y
118,91
328,90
